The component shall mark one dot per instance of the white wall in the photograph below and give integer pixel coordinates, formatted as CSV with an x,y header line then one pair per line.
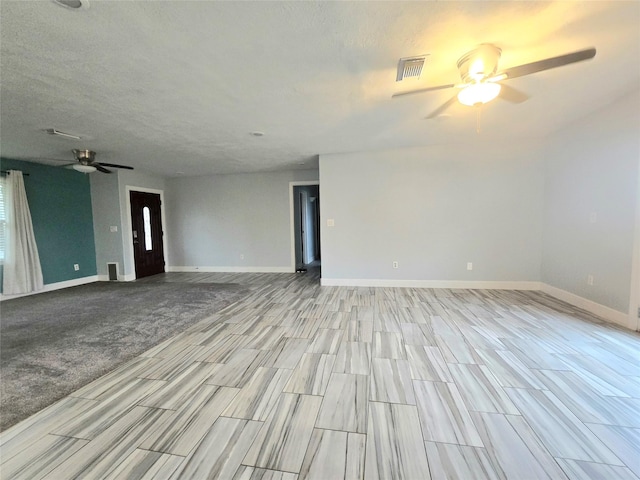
x,y
433,210
213,220
591,197
634,303
105,204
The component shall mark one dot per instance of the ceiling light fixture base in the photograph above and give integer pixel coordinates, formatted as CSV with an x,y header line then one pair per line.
x,y
72,4
480,63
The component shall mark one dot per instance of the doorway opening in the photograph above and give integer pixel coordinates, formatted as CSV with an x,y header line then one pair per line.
x,y
147,233
306,226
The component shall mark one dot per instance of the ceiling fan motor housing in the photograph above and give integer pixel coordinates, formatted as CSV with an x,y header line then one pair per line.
x,y
85,156
479,64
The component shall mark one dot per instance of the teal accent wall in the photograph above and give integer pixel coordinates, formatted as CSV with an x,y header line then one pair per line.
x,y
60,204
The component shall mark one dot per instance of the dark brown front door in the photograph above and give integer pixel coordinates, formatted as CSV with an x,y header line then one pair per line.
x,y
146,222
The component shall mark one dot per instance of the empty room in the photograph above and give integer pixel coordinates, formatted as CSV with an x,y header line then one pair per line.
x,y
319,240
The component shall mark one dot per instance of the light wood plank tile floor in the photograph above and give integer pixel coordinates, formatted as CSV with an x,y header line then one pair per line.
x,y
298,381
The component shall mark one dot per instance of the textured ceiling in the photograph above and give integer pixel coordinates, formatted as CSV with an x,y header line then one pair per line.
x,y
178,86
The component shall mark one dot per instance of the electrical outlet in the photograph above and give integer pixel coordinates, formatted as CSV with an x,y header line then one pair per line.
x,y
590,280
469,266
242,256
113,228
76,267
395,264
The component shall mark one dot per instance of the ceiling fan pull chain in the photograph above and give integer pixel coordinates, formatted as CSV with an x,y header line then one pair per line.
x,y
478,108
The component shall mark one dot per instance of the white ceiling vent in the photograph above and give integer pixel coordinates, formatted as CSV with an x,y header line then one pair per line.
x,y
53,131
410,67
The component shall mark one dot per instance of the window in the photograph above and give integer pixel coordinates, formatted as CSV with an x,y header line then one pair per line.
x,y
146,217
3,219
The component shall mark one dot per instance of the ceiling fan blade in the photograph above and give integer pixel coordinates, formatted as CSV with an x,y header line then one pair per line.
x,y
512,95
442,108
113,165
549,63
100,168
44,159
422,90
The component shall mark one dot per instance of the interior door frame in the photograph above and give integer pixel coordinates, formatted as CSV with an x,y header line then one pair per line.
x,y
292,200
315,209
304,248
130,265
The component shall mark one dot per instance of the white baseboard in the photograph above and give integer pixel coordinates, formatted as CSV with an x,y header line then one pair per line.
x,y
55,286
288,269
602,311
473,285
590,306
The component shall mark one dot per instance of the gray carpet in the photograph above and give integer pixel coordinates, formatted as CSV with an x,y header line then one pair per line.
x,y
53,343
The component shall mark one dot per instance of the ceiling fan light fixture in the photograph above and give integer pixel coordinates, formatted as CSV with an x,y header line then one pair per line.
x,y
84,168
478,93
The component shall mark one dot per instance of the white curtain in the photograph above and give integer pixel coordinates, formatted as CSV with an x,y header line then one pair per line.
x,y
22,271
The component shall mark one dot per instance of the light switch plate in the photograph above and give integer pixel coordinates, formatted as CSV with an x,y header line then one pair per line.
x,y
330,222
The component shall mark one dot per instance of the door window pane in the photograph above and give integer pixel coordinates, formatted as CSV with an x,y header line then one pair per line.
x,y
146,217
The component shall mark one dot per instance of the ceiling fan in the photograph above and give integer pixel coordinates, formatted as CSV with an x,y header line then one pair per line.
x,y
87,162
481,84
